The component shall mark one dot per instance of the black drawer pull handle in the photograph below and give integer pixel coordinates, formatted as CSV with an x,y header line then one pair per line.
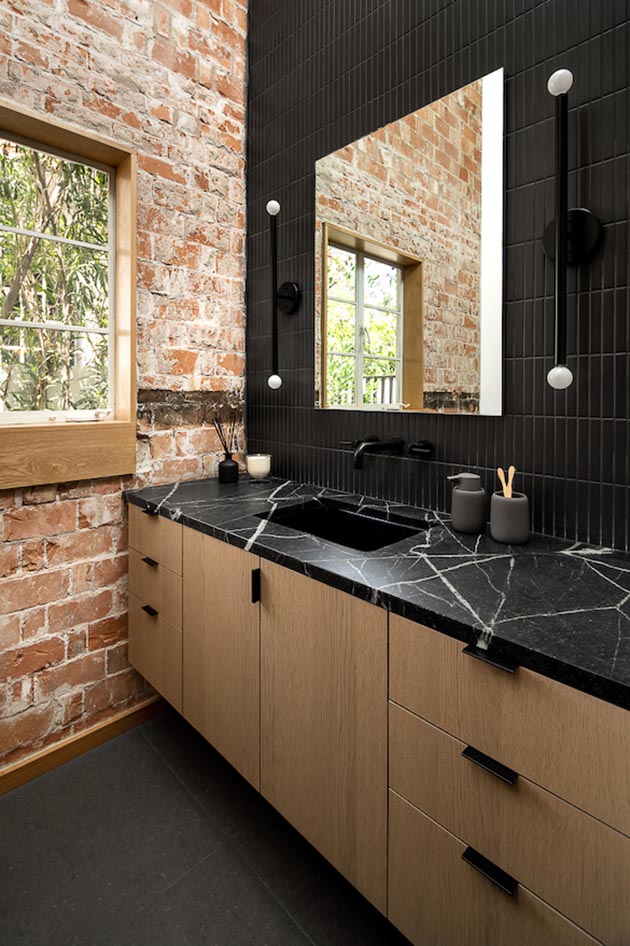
x,y
500,662
150,561
255,585
490,871
150,511
149,610
489,764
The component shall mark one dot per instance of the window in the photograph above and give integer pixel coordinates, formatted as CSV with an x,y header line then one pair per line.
x,y
67,302
364,330
56,285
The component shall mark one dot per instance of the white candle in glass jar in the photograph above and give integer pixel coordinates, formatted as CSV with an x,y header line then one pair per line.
x,y
258,465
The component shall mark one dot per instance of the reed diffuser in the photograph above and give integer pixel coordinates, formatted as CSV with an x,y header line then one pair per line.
x,y
228,468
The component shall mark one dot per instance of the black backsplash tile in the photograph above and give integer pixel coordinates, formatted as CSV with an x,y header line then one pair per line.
x,y
325,73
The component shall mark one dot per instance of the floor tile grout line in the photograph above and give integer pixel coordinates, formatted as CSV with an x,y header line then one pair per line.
x,y
228,840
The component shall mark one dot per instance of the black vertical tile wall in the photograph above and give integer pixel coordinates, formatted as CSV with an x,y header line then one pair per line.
x,y
325,72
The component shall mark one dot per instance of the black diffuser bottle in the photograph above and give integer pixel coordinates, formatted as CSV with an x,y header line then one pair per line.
x,y
228,468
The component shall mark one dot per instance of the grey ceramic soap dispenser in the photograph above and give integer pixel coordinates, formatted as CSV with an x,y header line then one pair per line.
x,y
468,507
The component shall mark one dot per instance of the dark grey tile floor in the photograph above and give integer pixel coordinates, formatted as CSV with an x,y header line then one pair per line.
x,y
152,839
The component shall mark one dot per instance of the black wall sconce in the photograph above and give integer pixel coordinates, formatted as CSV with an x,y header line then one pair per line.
x,y
286,298
572,238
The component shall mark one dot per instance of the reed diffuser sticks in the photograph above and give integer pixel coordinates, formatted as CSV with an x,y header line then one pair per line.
x,y
228,468
227,439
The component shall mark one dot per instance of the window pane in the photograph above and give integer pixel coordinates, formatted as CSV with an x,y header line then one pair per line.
x,y
380,333
42,281
341,273
340,327
379,382
381,284
340,380
41,369
52,195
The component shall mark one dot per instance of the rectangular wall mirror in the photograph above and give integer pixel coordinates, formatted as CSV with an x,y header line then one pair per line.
x,y
409,261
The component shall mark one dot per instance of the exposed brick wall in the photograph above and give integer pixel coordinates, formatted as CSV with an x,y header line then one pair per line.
x,y
415,185
169,80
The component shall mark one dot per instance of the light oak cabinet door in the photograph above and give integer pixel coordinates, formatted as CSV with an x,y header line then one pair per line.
x,y
437,899
221,650
155,650
324,722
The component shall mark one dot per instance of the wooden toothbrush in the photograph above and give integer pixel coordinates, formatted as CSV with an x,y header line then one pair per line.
x,y
501,476
511,472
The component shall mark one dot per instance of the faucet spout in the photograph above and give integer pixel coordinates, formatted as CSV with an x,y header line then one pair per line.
x,y
395,445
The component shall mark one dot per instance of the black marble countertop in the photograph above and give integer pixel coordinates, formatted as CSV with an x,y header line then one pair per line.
x,y
558,608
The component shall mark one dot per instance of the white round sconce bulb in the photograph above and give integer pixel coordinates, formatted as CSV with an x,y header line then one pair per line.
x,y
560,377
560,81
273,208
274,381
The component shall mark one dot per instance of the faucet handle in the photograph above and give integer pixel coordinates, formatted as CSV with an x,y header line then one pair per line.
x,y
423,448
353,444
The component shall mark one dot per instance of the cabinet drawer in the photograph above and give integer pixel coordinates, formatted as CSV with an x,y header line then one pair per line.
x,y
158,586
571,743
156,537
574,862
436,898
155,650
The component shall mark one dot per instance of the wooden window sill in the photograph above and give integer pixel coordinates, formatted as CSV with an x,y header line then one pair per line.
x,y
35,454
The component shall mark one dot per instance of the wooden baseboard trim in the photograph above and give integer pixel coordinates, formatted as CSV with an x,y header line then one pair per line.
x,y
76,745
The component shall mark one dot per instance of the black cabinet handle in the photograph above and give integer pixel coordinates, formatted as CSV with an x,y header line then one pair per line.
x,y
491,765
150,511
500,662
149,610
490,871
150,561
255,585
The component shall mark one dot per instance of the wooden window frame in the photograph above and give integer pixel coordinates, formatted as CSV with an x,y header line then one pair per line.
x,y
412,356
39,453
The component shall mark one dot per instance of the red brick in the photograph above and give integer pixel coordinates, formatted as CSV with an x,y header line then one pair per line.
x,y
99,511
9,559
27,592
74,546
80,672
100,19
9,630
189,271
82,610
38,521
30,658
107,632
117,659
27,728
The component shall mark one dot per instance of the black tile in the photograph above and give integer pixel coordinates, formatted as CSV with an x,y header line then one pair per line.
x,y
93,839
347,68
220,902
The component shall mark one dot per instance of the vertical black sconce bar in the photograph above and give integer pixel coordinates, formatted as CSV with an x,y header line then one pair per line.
x,y
286,298
572,238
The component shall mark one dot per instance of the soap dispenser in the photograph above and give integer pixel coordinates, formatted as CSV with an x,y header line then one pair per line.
x,y
468,507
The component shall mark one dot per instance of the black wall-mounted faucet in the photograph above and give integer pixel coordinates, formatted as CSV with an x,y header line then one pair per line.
x,y
372,445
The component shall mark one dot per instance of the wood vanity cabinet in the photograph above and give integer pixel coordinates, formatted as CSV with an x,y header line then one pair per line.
x,y
155,602
221,655
324,722
411,766
525,771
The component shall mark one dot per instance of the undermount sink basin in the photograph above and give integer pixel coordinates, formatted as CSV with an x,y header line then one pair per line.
x,y
346,525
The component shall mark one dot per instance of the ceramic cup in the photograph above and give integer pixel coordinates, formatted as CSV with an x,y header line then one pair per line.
x,y
509,518
258,465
